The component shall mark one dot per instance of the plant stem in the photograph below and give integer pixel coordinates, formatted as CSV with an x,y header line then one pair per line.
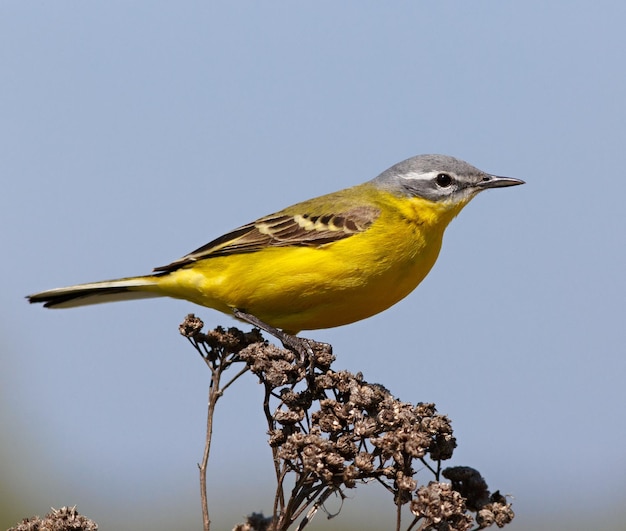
x,y
214,394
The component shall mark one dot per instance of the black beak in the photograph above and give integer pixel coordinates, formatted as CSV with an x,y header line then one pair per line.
x,y
493,181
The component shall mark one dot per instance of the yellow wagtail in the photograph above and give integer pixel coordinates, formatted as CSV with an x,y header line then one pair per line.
x,y
326,262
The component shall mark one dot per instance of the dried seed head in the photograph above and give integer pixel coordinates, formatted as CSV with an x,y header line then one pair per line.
x,y
190,326
441,507
58,520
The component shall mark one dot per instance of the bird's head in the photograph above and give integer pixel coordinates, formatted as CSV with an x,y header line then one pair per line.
x,y
439,179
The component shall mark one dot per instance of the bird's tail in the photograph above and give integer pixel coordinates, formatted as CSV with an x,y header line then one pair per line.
x,y
123,289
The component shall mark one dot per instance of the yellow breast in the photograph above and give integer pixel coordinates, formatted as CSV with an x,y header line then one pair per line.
x,y
303,288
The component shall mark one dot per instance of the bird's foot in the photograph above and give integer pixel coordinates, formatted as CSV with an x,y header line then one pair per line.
x,y
307,349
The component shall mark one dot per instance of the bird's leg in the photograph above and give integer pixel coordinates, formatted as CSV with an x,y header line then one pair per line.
x,y
300,345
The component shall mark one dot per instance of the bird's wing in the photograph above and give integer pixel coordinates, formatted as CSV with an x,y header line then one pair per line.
x,y
283,230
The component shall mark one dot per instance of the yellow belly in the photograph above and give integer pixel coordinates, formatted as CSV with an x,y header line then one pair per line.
x,y
304,288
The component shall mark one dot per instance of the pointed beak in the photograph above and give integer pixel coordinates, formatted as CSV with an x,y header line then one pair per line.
x,y
493,181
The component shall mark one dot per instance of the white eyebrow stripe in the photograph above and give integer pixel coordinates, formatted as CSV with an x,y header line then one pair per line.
x,y
414,176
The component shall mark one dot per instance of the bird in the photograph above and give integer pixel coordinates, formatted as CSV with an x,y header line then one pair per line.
x,y
322,263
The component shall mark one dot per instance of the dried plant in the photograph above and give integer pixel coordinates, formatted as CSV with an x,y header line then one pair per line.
x,y
63,519
331,430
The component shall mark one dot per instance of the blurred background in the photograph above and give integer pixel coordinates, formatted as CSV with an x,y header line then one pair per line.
x,y
134,132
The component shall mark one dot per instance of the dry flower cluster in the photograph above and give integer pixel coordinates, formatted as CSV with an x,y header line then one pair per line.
x,y
63,519
330,431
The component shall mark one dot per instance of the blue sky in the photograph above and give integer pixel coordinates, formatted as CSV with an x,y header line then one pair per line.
x,y
134,132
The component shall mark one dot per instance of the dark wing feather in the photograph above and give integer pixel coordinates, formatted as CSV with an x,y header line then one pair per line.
x,y
283,230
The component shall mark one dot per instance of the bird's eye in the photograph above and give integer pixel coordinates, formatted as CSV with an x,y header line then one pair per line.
x,y
443,180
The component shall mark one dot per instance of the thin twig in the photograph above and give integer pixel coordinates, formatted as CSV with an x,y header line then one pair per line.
x,y
427,465
307,494
232,381
398,516
214,394
413,524
279,497
309,516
